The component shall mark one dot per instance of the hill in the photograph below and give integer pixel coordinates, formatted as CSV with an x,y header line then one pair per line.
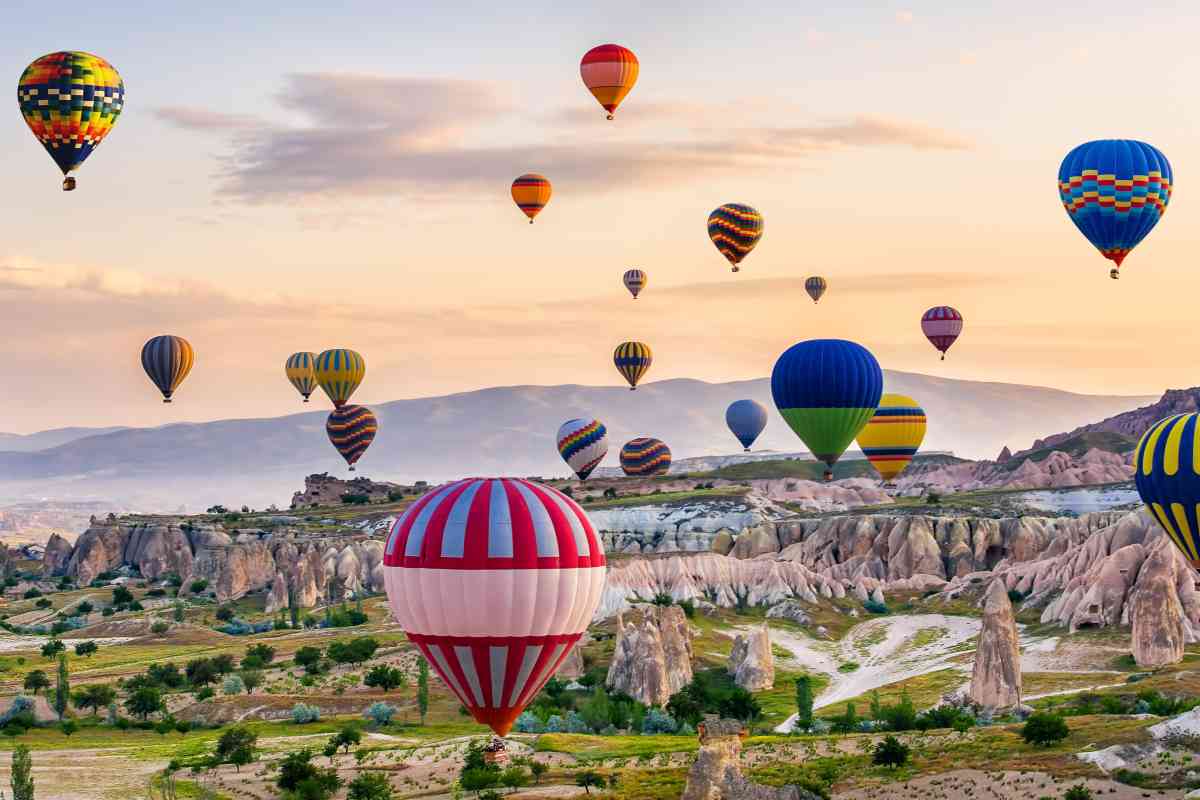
x,y
502,430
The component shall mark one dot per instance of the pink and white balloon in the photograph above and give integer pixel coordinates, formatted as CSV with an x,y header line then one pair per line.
x,y
941,326
494,580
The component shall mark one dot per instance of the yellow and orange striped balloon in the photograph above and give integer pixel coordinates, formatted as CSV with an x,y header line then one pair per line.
x,y
892,436
609,72
531,193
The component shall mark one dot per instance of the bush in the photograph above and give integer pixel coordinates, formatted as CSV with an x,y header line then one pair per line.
x,y
663,599
528,722
205,693
380,713
875,608
84,608
43,603
355,499
86,648
233,685
657,721
198,586
31,593
354,651
1078,792
160,627
302,714
1015,597
225,614
555,724
1044,729
891,752
121,596
576,723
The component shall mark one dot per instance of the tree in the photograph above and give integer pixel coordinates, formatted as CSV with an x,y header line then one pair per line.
x,y
85,608
225,614
1045,729
144,701
262,651
178,614
355,651
22,774
370,786
233,685
36,680
538,769
422,688
236,746
197,586
94,696
891,752
349,736
804,702
384,678
223,664
589,778
476,779
52,648
514,777
251,679
309,658
68,727
1078,792
86,649
121,596
167,674
62,687
298,775
201,671
847,722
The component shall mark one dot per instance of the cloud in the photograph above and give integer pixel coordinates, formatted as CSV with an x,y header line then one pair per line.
x,y
375,135
904,17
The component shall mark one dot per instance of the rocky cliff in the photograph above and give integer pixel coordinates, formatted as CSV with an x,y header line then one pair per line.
x,y
653,655
233,563
716,773
996,675
324,490
1131,424
1056,470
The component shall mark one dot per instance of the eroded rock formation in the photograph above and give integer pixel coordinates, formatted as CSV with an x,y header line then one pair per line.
x,y
57,556
653,656
716,773
996,677
325,490
750,661
1157,616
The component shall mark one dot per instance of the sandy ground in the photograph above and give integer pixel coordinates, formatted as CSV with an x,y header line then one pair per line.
x,y
10,644
886,651
968,783
86,774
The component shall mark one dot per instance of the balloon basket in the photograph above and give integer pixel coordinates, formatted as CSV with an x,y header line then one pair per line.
x,y
69,184
496,752
166,399
1115,274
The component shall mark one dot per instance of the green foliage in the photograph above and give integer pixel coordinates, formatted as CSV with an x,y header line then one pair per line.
x,y
346,618
52,648
899,717
891,752
197,586
160,627
68,727
514,777
86,649
36,680
31,593
370,786
62,687
251,680
236,746
305,781
663,599
21,780
225,614
351,499
94,696
302,713
1044,729
43,603
713,692
355,651
1078,792
308,657
422,688
804,702
144,701
1015,596
380,713
85,608
847,722
201,672
875,608
166,675
589,778
121,596
384,678
848,666
263,652
233,684
349,736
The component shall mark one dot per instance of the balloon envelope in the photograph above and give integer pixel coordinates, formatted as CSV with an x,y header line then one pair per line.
x,y
815,286
167,360
632,359
1115,191
941,326
71,101
494,580
635,280
1166,469
351,429
609,72
531,192
746,419
735,229
582,443
300,372
891,438
826,390
644,457
339,372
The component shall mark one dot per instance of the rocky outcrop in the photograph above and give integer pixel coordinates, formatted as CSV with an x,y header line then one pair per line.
x,y
1005,455
277,598
653,655
56,557
716,773
751,662
324,490
1057,469
572,666
1157,616
1132,424
996,677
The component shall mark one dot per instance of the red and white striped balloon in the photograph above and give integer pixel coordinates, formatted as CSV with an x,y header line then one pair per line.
x,y
494,580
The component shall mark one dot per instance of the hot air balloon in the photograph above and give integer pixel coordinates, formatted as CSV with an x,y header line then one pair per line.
x,y
815,286
635,280
494,580
941,326
632,360
299,370
735,229
746,419
644,457
167,360
827,390
531,193
583,444
70,100
351,429
1166,469
892,436
1115,191
609,72
339,372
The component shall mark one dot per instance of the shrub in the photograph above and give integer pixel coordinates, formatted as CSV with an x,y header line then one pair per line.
x,y
44,603
380,713
233,685
1015,597
198,586
225,614
85,608
555,724
528,722
309,658
52,648
160,627
658,721
86,649
1078,792
352,499
205,693
891,752
121,596
354,651
108,612
1044,729
875,608
302,714
31,593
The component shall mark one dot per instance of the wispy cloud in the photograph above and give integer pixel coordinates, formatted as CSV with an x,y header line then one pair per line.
x,y
204,120
375,135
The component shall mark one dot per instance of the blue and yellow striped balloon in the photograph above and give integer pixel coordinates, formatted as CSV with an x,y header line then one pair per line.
x,y
632,359
339,372
644,457
891,438
1167,472
167,361
299,370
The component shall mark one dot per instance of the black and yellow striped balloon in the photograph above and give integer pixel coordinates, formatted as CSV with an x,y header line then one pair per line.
x,y
632,359
167,360
339,372
1167,472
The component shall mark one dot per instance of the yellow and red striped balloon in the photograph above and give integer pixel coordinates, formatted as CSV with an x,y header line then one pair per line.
x,y
609,72
531,193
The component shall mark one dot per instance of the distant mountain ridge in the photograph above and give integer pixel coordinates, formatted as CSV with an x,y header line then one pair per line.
x,y
1121,432
502,430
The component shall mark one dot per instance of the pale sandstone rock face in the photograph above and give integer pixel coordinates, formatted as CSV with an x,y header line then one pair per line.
x,y
653,656
716,773
324,490
100,548
751,662
996,677
277,598
159,549
572,666
57,556
1158,631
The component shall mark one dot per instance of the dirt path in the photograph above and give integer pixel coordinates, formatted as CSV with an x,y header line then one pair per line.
x,y
965,784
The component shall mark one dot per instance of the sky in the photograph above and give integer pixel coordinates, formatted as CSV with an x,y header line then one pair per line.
x,y
314,177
